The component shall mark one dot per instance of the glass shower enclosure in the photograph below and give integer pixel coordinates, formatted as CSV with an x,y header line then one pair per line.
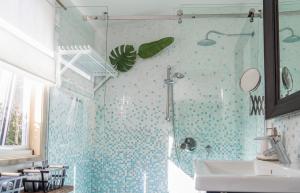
x,y
118,139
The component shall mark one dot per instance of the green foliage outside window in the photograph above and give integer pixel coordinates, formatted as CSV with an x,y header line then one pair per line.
x,y
14,133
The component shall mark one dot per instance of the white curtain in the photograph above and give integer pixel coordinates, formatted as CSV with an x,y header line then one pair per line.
x,y
27,36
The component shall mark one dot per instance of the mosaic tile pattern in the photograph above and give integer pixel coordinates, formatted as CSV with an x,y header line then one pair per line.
x,y
289,128
120,142
209,104
71,122
70,139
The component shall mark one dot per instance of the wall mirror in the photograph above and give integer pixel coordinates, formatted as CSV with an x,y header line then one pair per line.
x,y
282,56
250,80
289,46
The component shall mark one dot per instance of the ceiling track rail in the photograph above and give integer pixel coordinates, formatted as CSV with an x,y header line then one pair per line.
x,y
171,17
288,13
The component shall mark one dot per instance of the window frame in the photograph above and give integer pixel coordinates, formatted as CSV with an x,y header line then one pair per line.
x,y
30,150
6,117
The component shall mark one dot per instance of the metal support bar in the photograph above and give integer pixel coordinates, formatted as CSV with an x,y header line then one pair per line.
x,y
227,34
170,17
61,4
169,103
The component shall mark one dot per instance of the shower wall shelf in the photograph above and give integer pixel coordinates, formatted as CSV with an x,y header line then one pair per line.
x,y
86,62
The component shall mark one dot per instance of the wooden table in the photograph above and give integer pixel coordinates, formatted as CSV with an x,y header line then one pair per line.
x,y
65,189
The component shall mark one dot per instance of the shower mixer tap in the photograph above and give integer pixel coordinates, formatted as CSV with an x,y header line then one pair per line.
x,y
189,144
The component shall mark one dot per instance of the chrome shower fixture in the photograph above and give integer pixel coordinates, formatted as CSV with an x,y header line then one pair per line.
x,y
210,42
169,82
292,38
90,17
189,144
179,14
251,14
178,75
169,79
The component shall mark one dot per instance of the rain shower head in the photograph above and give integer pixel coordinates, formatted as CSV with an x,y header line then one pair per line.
x,y
206,42
292,38
209,42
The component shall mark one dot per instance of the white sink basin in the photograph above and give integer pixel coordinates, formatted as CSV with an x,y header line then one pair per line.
x,y
246,176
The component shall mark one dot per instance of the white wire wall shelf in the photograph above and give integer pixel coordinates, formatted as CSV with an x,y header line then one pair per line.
x,y
86,62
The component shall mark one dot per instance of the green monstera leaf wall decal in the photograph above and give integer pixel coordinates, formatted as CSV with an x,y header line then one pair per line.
x,y
123,57
150,49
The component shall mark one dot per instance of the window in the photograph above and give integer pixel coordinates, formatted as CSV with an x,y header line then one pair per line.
x,y
22,102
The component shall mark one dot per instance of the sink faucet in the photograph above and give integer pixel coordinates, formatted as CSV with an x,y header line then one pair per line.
x,y
277,147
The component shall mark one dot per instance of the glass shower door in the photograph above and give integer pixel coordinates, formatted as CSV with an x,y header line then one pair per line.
x,y
209,105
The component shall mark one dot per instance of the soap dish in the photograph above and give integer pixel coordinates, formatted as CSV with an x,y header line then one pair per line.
x,y
267,158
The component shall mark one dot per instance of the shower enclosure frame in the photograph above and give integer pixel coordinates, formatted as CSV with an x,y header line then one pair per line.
x,y
275,106
176,17
179,16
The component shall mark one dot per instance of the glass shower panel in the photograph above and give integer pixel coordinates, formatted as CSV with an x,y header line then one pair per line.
x,y
135,137
140,150
72,124
130,147
209,105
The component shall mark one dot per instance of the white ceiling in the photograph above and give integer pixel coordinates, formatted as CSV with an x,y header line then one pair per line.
x,y
147,7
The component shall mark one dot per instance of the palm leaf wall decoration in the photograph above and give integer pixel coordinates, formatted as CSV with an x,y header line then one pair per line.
x,y
123,57
150,49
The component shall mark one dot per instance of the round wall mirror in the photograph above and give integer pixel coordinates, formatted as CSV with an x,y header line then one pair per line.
x,y
250,80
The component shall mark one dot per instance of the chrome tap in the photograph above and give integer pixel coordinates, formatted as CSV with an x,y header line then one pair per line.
x,y
277,147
